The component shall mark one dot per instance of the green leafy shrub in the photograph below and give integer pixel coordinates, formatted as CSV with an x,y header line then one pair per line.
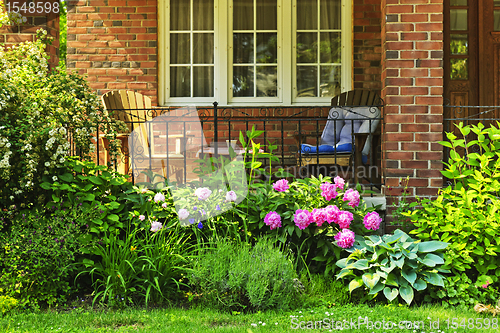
x,y
237,276
38,252
323,290
466,214
41,112
7,303
393,265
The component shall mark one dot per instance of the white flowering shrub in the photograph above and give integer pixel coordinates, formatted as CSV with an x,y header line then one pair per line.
x,y
41,111
10,18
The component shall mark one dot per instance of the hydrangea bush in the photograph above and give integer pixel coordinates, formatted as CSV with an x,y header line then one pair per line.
x,y
41,112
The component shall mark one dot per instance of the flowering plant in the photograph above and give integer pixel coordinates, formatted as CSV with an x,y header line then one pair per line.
x,y
41,110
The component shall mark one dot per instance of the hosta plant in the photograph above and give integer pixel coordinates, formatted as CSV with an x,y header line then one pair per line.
x,y
393,265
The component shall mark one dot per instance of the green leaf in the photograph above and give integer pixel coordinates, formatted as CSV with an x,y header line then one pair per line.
x,y
392,280
370,280
67,177
431,246
435,258
390,268
113,217
409,275
118,181
343,273
435,279
390,293
400,262
380,286
356,283
96,180
97,221
420,285
406,293
360,264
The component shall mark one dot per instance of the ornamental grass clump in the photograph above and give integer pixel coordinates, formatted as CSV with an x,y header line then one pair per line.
x,y
40,112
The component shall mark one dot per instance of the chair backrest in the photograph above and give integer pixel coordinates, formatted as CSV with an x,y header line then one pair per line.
x,y
357,98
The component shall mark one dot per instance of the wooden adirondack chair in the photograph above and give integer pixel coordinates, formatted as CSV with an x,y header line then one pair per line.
x,y
135,110
348,102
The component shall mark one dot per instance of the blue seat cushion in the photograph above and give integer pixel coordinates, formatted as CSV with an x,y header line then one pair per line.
x,y
325,149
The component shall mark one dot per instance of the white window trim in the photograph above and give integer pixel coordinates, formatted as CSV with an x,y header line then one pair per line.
x,y
223,55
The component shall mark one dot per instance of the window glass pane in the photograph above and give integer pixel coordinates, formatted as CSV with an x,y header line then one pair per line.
x,y
267,48
243,81
307,14
180,82
242,15
496,22
458,2
180,49
307,47
179,15
458,19
459,44
459,69
329,81
203,14
307,81
267,15
243,48
496,3
267,81
330,47
203,48
203,85
330,17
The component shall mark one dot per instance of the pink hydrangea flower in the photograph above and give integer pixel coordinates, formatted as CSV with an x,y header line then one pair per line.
x,y
159,197
281,185
302,218
318,216
142,217
202,193
352,196
156,226
345,238
328,191
183,214
332,213
372,221
344,219
339,182
231,196
273,220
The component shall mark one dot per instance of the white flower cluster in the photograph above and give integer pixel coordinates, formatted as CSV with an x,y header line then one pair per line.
x,y
5,154
11,18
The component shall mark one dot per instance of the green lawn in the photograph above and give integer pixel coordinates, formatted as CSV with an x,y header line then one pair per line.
x,y
207,320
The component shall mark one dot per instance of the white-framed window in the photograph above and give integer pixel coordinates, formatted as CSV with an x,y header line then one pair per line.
x,y
254,52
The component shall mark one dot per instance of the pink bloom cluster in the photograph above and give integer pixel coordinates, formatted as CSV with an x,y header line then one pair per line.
x,y
339,182
183,214
328,191
302,218
231,196
202,193
344,219
352,196
345,238
273,220
156,226
372,221
281,185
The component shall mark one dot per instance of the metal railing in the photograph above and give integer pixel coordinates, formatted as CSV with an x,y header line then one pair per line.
x,y
182,135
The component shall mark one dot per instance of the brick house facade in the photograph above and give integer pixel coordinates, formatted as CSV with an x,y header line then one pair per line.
x,y
397,48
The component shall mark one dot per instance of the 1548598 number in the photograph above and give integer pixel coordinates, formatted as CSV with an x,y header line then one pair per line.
x,y
472,323
33,7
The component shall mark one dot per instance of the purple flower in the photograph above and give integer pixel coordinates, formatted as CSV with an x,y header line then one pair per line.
x,y
217,207
302,218
156,226
372,221
273,220
200,225
183,214
159,197
344,219
281,185
191,221
231,196
332,213
29,241
142,217
339,182
352,196
328,191
195,208
318,216
345,238
203,193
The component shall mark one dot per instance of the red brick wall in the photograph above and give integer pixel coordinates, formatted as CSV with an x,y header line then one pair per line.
x,y
48,20
412,77
367,46
115,43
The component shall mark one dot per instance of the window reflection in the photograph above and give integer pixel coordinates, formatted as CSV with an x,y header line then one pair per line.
x,y
459,69
459,44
